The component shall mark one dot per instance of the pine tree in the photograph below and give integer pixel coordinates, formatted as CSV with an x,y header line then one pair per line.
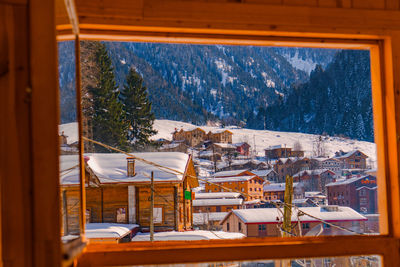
x,y
108,121
137,108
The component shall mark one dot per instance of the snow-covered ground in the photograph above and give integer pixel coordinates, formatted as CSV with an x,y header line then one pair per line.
x,y
261,139
258,139
188,235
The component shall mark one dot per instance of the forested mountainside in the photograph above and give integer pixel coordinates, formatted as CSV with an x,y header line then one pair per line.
x,y
336,100
199,83
274,88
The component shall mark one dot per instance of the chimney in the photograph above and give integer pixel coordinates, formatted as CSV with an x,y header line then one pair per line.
x,y
130,167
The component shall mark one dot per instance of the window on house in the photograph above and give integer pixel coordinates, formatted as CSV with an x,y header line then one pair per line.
x,y
121,216
240,226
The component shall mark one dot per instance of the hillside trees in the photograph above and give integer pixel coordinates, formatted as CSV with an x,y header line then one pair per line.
x,y
137,109
106,112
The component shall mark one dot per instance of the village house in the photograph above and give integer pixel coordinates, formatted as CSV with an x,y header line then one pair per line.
x,y
352,160
250,185
280,151
217,202
175,146
265,222
118,190
220,136
192,138
332,164
359,193
314,180
268,175
290,166
276,191
243,148
223,148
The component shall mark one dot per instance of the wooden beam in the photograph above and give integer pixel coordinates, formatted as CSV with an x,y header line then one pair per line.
x,y
217,16
168,252
73,16
15,152
44,115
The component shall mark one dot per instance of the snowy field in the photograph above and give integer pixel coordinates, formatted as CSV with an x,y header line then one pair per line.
x,y
187,235
261,139
258,139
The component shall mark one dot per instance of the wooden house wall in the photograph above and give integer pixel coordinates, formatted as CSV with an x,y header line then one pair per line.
x,y
70,210
165,198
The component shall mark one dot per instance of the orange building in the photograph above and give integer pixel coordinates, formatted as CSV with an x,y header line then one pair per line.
x,y
250,185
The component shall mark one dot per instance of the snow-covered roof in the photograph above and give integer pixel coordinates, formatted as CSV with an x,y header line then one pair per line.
x,y
225,145
345,181
69,169
70,131
169,146
220,131
350,153
187,235
275,147
108,230
217,202
314,194
250,202
231,179
111,167
204,218
262,173
215,195
240,144
229,173
366,187
312,172
270,215
276,187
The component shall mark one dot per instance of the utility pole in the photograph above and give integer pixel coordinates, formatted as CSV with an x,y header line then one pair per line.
x,y
287,209
152,207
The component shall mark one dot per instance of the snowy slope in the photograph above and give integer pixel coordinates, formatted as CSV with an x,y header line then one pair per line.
x,y
264,138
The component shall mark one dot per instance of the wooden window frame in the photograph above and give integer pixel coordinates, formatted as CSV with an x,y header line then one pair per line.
x,y
385,245
32,236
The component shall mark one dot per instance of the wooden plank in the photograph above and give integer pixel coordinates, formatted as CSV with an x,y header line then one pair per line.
x,y
72,15
44,134
15,159
368,4
236,250
392,4
274,18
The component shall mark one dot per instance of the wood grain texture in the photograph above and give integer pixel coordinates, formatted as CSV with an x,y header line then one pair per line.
x,y
15,158
44,116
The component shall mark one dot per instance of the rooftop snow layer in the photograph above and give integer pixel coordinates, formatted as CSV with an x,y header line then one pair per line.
x,y
231,179
217,202
277,187
269,215
229,173
111,167
204,218
346,181
215,195
108,230
70,131
187,235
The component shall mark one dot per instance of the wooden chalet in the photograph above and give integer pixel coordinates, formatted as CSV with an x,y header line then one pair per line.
x,y
220,136
263,222
280,151
352,160
217,202
243,148
290,166
276,191
315,180
192,138
118,190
